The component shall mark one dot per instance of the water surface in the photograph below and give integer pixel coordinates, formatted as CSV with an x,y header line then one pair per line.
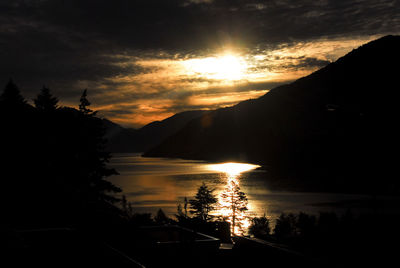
x,y
154,183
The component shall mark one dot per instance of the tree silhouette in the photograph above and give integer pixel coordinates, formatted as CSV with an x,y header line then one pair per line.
x,y
16,155
305,224
126,207
203,203
285,227
185,205
182,212
161,218
11,95
234,205
180,215
260,227
45,101
84,104
54,164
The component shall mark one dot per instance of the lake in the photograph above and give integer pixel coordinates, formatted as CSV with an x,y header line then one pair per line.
x,y
154,183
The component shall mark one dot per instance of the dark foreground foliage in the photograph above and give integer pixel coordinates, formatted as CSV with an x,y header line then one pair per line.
x,y
348,240
53,164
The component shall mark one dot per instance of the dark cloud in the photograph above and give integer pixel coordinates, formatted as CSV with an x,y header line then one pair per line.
x,y
174,25
308,63
298,63
121,111
182,97
240,87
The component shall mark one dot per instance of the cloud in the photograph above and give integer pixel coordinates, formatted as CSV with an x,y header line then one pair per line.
x,y
174,25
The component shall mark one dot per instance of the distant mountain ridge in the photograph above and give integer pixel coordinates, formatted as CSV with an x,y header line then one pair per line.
x,y
337,123
124,140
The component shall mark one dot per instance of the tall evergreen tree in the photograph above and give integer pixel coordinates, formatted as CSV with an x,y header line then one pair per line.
x,y
203,203
234,205
84,104
11,96
17,149
161,218
45,101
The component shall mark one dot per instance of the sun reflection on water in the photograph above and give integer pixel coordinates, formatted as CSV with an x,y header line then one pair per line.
x,y
232,169
233,203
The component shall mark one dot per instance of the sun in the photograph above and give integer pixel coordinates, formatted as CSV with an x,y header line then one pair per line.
x,y
227,66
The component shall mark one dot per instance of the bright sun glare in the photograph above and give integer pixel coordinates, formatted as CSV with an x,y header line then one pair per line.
x,y
232,169
224,67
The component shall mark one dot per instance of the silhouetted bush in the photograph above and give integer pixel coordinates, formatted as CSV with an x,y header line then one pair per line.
x,y
305,225
285,227
347,240
260,227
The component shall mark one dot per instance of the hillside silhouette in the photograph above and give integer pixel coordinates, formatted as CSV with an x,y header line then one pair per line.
x,y
333,129
123,140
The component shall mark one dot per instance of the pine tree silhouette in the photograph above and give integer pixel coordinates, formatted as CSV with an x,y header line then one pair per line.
x,y
234,203
11,97
84,104
203,203
161,218
45,101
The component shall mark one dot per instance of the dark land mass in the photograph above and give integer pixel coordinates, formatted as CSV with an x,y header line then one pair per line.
x,y
124,140
119,139
334,128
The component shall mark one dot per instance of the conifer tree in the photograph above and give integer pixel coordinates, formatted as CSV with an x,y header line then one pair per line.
x,y
161,218
234,205
203,203
84,104
11,96
45,101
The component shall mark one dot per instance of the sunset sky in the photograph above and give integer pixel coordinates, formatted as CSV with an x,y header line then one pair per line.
x,y
145,60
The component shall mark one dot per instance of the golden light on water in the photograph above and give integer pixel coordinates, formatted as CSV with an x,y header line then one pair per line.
x,y
232,169
233,204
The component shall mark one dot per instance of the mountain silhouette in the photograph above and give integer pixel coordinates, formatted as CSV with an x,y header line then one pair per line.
x,y
120,139
123,140
337,123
